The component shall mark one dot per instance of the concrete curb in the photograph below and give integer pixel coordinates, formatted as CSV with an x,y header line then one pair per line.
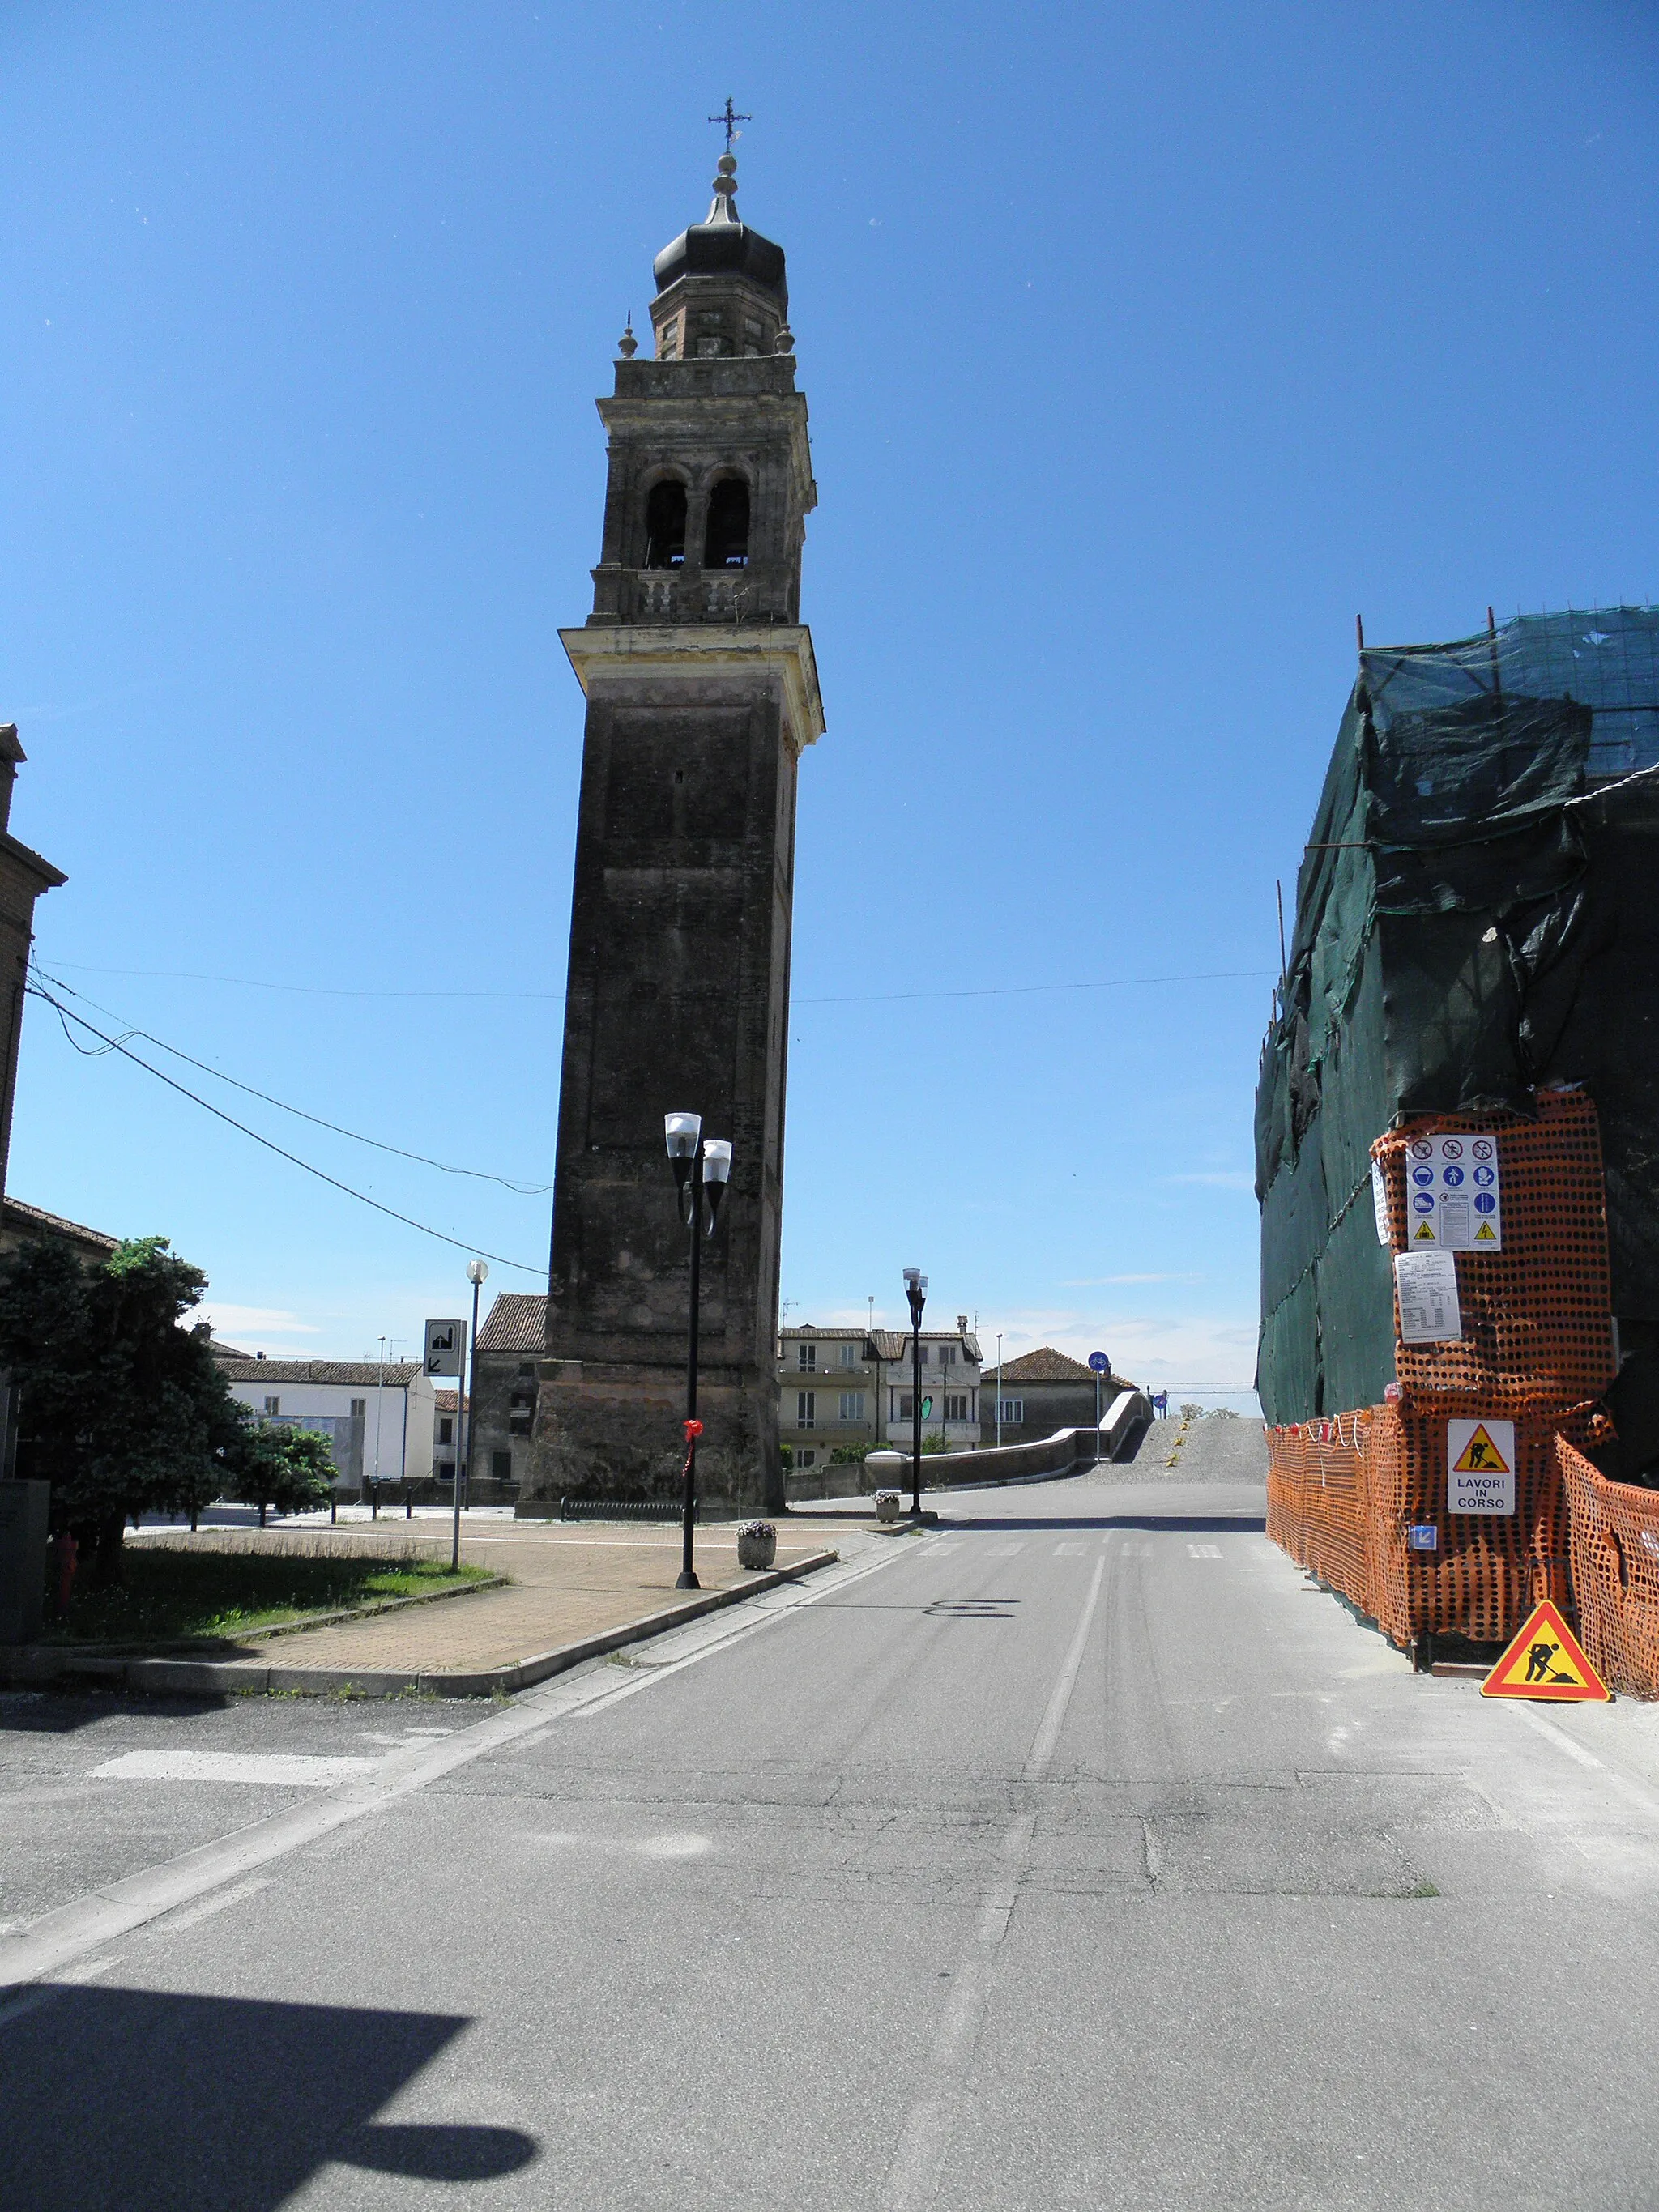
x,y
174,1677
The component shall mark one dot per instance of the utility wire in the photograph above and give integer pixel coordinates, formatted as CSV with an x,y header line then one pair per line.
x,y
554,998
67,1014
479,1175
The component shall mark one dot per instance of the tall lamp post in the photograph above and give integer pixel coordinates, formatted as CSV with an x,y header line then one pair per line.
x,y
702,1168
476,1271
915,1290
998,1389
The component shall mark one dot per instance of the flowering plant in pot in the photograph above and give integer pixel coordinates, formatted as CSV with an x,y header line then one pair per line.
x,y
887,1504
757,1544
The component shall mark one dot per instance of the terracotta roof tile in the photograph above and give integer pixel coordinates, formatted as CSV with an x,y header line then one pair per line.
x,y
516,1323
1045,1364
358,1373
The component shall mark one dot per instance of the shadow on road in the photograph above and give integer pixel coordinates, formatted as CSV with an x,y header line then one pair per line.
x,y
136,2100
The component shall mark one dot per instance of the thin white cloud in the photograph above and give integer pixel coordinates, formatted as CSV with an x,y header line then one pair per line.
x,y
231,1321
1214,1352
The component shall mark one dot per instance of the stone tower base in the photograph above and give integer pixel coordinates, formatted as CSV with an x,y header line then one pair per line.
x,y
618,1432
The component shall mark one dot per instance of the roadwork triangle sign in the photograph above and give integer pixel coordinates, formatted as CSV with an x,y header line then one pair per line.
x,y
1546,1661
1480,1455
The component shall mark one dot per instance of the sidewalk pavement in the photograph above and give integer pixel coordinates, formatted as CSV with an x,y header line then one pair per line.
x,y
576,1591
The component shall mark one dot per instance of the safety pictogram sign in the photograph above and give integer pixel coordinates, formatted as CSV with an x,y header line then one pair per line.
x,y
1480,1465
1546,1661
1480,1455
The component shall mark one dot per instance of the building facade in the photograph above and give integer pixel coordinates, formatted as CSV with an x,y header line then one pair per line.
x,y
701,693
1043,1391
852,1388
512,1343
380,1421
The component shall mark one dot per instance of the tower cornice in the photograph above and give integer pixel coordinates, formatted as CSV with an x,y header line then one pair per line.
x,y
686,653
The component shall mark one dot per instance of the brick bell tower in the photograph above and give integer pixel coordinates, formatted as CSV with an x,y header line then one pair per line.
x,y
701,693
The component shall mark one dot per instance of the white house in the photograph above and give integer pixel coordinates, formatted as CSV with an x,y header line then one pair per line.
x,y
380,1421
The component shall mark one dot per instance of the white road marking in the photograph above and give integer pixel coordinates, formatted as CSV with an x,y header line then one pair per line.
x,y
1004,1551
289,1770
73,1931
1047,1734
221,1901
1203,1551
788,1597
941,1544
1068,1551
934,2119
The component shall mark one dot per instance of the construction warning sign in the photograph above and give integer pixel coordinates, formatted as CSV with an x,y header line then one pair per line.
x,y
1453,1192
1546,1661
1480,1465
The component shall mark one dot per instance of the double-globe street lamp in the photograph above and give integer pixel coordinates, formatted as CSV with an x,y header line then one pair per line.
x,y
702,1168
915,1290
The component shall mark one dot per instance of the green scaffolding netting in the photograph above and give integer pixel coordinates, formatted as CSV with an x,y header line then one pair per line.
x,y
1477,915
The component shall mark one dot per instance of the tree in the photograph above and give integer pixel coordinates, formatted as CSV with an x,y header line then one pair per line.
x,y
120,1409
273,1463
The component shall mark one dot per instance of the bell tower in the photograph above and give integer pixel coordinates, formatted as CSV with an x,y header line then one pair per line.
x,y
701,693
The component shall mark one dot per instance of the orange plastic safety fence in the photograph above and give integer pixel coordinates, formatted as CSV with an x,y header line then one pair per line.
x,y
1344,1496
1536,1321
1486,1570
1615,1574
1316,1507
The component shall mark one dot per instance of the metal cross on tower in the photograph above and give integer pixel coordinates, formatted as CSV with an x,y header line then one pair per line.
x,y
730,118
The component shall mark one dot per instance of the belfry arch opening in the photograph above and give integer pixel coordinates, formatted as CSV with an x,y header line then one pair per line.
x,y
665,525
725,541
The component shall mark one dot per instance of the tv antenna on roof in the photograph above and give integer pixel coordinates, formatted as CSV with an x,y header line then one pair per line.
x,y
729,117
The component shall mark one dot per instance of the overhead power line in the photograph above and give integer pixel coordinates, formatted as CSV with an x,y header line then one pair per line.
x,y
67,1014
479,1174
555,998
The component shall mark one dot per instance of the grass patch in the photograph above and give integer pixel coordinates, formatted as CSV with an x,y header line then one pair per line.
x,y
166,1595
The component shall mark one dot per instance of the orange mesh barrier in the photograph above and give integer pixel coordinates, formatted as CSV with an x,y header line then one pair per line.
x,y
1536,1316
1316,1503
1615,1574
1343,1496
1488,1570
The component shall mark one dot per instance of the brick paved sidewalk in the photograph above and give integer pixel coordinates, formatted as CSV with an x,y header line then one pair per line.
x,y
569,1584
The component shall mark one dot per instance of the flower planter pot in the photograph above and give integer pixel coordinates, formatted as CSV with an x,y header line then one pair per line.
x,y
887,1504
758,1545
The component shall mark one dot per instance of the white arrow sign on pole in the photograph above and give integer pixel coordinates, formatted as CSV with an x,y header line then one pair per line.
x,y
445,1348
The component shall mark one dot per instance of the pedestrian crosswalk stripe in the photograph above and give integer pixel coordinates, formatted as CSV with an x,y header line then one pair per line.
x,y
1068,1551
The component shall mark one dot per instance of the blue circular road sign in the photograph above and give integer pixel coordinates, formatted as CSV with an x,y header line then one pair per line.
x,y
1100,1363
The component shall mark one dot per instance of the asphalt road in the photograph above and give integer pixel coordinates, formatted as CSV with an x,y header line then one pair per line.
x,y
1080,1855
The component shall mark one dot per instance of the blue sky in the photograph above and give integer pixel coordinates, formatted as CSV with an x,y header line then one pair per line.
x,y
1144,346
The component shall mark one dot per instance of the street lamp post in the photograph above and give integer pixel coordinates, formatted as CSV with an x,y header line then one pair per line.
x,y
915,1290
998,1389
702,1168
476,1271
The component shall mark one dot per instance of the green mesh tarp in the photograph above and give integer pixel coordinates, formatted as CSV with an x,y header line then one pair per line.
x,y
1477,915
